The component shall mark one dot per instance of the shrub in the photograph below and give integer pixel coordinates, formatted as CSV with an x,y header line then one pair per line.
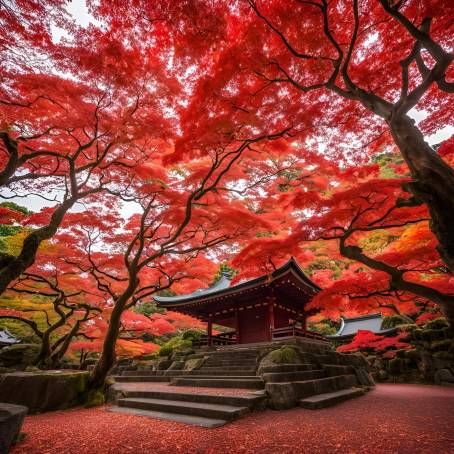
x,y
192,335
176,343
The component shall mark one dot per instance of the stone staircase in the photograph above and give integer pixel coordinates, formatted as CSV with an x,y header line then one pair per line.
x,y
324,378
202,409
224,369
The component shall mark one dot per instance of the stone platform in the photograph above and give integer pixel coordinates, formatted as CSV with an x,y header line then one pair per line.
x,y
221,387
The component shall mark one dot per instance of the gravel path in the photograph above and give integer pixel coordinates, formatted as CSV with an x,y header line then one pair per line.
x,y
396,419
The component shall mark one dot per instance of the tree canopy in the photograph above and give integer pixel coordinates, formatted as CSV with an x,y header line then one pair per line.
x,y
165,138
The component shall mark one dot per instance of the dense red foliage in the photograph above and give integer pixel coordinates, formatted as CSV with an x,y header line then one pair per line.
x,y
368,341
169,136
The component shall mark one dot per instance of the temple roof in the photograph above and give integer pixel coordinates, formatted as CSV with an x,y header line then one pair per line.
x,y
223,287
350,326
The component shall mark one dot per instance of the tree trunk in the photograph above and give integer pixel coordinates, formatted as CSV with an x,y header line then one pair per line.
x,y
433,182
44,353
107,359
61,346
15,267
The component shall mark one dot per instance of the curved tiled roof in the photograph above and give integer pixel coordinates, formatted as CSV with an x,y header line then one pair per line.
x,y
350,326
223,286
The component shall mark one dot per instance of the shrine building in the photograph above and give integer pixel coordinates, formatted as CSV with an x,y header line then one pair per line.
x,y
267,308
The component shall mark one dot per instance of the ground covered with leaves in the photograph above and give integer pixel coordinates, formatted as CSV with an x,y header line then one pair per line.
x,y
391,419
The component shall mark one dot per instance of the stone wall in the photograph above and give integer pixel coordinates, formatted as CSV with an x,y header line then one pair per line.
x,y
429,359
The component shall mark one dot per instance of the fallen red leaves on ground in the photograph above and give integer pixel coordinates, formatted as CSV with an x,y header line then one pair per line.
x,y
397,419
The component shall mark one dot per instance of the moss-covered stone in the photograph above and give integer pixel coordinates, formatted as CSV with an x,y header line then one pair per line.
x,y
19,356
46,390
95,397
176,365
443,355
176,343
285,355
193,363
442,345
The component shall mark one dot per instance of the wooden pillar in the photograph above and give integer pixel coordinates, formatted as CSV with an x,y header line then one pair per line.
x,y
271,317
209,329
237,326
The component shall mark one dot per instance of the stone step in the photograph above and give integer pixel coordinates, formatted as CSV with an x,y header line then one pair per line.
x,y
228,364
139,378
237,352
277,377
176,373
288,368
328,399
126,373
206,410
220,382
323,385
251,400
221,371
208,423
232,358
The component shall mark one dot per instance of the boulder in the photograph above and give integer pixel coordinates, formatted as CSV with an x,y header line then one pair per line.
x,y
164,364
181,352
382,375
176,365
443,376
11,419
353,359
47,390
194,363
20,356
281,396
95,397
363,376
284,355
441,345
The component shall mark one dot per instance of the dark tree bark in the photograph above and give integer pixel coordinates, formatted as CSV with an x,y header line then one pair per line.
x,y
397,279
107,358
433,182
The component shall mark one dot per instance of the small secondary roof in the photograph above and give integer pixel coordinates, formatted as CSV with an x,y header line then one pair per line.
x,y
6,338
350,326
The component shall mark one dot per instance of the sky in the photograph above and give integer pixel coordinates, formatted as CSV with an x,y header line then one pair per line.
x,y
78,9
